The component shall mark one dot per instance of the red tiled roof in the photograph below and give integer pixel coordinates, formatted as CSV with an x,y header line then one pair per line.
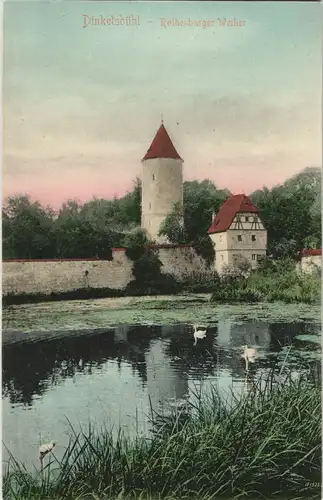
x,y
311,251
236,204
162,146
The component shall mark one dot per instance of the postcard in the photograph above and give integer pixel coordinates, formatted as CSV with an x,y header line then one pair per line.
x,y
161,258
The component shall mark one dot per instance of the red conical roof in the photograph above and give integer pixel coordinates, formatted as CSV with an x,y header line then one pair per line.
x,y
230,208
162,146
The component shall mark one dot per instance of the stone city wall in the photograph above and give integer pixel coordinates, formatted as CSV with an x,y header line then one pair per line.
x,y
31,276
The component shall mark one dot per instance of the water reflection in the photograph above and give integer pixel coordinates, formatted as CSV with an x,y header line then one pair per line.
x,y
109,375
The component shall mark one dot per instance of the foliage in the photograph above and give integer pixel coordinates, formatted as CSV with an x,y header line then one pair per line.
x,y
268,266
135,242
266,444
146,269
81,233
28,229
240,270
204,247
273,281
76,231
172,227
201,201
199,281
119,213
292,213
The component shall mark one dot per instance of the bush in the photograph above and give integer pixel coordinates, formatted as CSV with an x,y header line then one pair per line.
x,y
239,271
260,286
199,281
268,266
135,244
146,269
204,247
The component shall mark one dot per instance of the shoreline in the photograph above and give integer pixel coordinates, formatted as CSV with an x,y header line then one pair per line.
x,y
48,320
93,463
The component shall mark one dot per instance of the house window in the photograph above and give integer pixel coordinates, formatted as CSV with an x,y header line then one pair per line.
x,y
239,237
253,256
149,205
221,257
259,257
253,237
220,239
246,219
153,177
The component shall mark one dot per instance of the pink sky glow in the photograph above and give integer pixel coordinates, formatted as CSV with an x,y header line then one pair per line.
x,y
242,106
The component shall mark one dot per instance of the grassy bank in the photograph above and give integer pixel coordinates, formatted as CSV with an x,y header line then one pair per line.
x,y
289,287
266,445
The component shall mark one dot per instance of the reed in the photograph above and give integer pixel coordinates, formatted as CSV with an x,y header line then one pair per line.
x,y
266,444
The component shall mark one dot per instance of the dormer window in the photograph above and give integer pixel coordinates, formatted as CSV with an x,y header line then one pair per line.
x,y
239,237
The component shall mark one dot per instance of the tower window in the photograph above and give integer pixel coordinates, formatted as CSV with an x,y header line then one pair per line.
x,y
149,205
239,237
253,256
153,177
253,237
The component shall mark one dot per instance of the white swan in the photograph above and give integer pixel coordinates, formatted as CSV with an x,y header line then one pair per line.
x,y
249,355
198,334
44,449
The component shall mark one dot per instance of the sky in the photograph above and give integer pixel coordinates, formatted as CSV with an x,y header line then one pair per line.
x,y
82,104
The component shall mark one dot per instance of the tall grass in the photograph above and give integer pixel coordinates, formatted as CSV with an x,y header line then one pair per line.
x,y
266,444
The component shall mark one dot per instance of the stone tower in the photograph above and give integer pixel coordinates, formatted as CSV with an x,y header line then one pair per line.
x,y
162,183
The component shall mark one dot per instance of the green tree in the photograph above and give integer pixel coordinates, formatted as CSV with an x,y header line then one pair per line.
x,y
82,233
292,213
135,243
173,227
201,201
28,229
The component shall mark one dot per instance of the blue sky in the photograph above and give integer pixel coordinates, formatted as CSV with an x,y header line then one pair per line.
x,y
81,105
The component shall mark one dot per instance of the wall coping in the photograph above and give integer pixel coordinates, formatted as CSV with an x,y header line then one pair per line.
x,y
311,252
96,259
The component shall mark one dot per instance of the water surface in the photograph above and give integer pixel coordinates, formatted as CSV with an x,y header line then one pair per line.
x,y
111,376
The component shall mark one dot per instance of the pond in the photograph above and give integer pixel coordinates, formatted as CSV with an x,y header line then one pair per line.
x,y
109,363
